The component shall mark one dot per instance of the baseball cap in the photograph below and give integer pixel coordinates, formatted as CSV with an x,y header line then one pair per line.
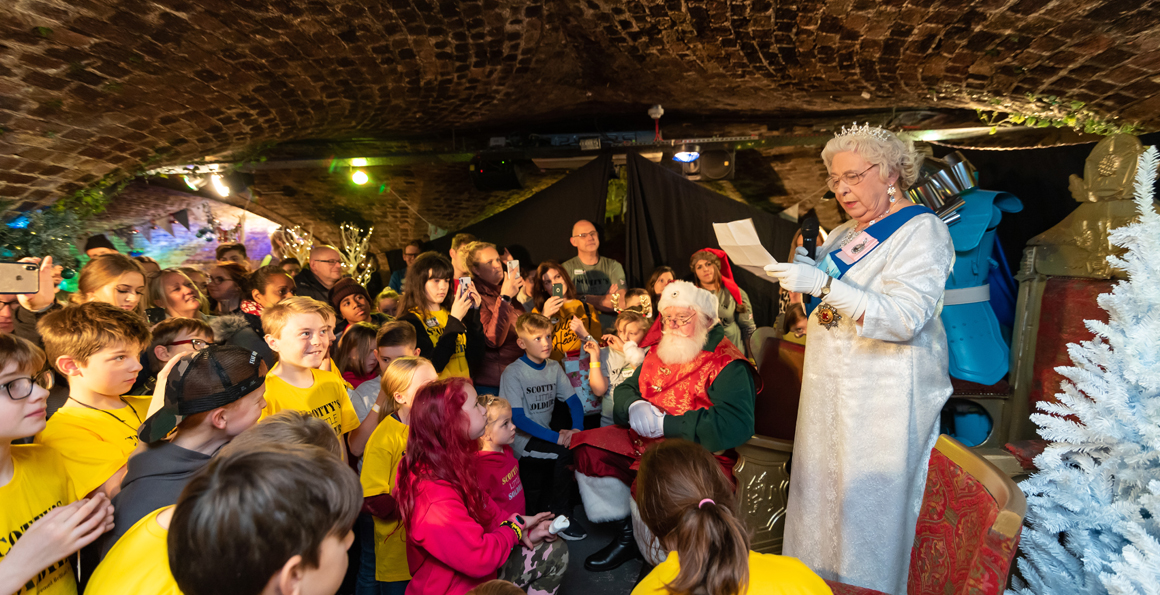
x,y
203,381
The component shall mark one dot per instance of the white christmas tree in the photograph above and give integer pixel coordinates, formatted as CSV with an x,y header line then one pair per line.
x,y
1093,509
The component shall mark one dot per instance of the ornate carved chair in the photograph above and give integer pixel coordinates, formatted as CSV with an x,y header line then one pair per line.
x,y
968,528
762,469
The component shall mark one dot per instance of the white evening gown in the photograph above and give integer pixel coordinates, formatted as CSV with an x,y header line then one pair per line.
x,y
869,412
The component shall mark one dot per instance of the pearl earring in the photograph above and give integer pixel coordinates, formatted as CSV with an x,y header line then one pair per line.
x,y
890,192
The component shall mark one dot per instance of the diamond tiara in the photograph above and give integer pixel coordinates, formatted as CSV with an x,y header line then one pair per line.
x,y
864,130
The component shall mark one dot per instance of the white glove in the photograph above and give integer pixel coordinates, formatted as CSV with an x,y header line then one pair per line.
x,y
646,419
801,256
847,299
798,278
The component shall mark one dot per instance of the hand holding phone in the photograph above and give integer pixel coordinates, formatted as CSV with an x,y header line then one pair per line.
x,y
19,278
513,268
558,290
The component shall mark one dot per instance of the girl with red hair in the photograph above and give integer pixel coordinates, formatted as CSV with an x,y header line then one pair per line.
x,y
457,537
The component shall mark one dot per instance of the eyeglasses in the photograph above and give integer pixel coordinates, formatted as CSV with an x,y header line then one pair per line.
x,y
590,234
198,344
329,262
21,388
677,322
11,304
850,178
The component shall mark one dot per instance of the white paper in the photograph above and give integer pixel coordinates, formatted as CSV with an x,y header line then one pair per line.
x,y
739,240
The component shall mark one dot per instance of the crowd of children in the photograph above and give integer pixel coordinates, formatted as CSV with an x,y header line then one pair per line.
x,y
216,433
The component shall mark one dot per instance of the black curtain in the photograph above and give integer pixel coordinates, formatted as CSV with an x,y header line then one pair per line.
x,y
542,223
669,218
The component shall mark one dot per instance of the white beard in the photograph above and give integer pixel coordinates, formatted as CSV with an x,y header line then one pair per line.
x,y
675,349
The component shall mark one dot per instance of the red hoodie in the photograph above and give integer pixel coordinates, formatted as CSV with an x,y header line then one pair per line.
x,y
447,551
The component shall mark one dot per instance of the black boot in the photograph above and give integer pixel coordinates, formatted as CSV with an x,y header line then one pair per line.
x,y
622,549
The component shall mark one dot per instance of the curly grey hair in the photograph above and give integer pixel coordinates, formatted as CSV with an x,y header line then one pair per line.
x,y
892,156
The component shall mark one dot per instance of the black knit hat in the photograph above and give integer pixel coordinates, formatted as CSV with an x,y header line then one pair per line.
x,y
98,241
346,286
203,381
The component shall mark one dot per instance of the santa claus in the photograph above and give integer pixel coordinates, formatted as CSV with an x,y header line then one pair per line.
x,y
693,384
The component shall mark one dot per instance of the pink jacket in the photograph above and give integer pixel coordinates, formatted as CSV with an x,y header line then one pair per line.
x,y
447,551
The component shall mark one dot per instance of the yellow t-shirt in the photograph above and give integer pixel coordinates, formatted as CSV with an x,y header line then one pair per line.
x,y
39,484
768,575
435,323
380,465
326,399
138,562
94,443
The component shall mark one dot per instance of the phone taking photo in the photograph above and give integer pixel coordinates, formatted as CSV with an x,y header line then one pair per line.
x,y
513,268
464,285
19,278
557,290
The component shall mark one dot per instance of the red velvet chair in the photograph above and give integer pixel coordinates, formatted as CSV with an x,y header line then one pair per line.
x,y
968,528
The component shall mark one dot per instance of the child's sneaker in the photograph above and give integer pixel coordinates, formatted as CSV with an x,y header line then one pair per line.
x,y
574,532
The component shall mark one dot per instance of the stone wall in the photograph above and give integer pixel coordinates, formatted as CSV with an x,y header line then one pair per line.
x,y
92,87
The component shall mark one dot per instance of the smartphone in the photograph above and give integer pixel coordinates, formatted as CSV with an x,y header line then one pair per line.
x,y
19,277
557,290
464,285
513,268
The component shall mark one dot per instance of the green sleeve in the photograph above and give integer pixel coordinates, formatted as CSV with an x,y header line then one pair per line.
x,y
728,423
626,393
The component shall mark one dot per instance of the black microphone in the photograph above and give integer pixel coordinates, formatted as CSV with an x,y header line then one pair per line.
x,y
810,228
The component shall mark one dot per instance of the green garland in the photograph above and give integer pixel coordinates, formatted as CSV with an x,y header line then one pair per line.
x,y
49,232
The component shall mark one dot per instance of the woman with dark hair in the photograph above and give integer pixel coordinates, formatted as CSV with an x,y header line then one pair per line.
x,y
446,325
714,275
264,288
457,537
227,282
657,281
686,501
573,323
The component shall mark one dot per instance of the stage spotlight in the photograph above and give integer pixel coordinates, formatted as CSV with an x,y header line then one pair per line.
x,y
358,162
360,177
219,185
687,153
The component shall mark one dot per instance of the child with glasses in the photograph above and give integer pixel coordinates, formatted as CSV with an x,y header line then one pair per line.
x,y
171,338
41,519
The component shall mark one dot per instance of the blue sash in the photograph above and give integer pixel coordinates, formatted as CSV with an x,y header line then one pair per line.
x,y
836,267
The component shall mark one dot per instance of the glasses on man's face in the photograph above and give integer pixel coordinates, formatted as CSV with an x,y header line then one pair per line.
x,y
12,305
329,262
590,234
21,388
850,178
198,344
677,321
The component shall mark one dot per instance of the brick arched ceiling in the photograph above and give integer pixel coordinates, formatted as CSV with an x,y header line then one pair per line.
x,y
91,86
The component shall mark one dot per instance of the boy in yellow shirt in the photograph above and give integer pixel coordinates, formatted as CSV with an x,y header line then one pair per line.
x,y
34,488
98,347
297,330
139,562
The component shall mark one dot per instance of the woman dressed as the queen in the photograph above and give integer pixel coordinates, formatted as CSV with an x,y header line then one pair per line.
x,y
875,376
